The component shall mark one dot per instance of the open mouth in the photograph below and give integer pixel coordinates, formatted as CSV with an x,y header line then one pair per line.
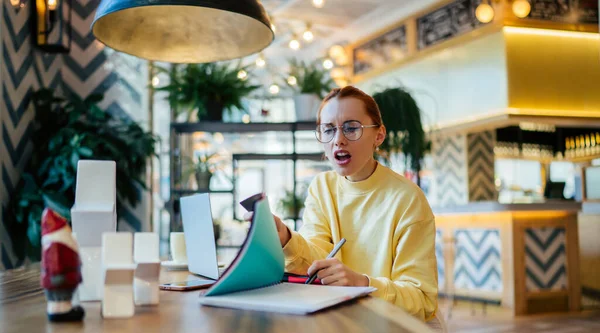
x,y
342,157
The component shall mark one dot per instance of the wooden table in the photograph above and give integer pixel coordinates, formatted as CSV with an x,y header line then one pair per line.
x,y
23,309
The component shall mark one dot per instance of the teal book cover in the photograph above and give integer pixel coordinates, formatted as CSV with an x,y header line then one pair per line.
x,y
260,262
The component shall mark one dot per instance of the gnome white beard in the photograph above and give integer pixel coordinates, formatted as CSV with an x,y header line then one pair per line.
x,y
59,307
62,235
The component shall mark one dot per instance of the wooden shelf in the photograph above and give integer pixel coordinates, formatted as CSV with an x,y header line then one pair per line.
x,y
217,126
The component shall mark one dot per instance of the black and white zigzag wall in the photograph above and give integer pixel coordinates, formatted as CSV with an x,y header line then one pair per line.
x,y
89,68
450,163
480,155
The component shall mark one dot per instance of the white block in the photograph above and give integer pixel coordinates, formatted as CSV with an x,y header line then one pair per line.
x,y
147,272
91,272
118,268
94,211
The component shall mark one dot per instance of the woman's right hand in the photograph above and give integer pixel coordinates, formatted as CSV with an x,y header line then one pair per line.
x,y
282,230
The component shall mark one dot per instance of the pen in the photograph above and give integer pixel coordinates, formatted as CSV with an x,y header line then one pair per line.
x,y
331,255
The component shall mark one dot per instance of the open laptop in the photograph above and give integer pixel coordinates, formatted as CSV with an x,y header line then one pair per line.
x,y
199,236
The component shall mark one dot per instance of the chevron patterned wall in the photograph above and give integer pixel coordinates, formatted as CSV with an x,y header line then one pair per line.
x,y
89,68
450,163
23,70
545,259
439,253
477,263
480,157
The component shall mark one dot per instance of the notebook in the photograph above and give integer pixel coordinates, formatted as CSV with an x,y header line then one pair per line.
x,y
253,280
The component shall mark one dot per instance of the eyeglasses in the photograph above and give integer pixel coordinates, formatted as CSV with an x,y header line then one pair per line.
x,y
353,130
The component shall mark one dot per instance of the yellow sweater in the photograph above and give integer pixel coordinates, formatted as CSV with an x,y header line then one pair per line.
x,y
389,230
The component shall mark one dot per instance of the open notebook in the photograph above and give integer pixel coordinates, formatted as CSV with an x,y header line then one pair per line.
x,y
252,281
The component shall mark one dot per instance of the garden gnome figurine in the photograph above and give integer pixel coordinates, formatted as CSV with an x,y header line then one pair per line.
x,y
61,266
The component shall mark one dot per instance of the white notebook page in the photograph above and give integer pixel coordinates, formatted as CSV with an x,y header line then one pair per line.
x,y
287,298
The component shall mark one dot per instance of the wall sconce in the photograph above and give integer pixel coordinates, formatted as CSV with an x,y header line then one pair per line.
x,y
17,4
53,25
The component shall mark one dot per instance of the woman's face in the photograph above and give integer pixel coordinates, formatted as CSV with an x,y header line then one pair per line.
x,y
351,159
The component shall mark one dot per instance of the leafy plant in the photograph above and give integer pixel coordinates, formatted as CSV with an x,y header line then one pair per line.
x,y
65,132
204,163
207,88
311,78
290,202
402,118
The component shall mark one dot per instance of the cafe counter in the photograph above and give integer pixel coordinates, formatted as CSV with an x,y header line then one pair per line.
x,y
523,256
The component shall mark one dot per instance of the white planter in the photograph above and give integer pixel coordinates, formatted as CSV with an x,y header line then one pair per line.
x,y
306,106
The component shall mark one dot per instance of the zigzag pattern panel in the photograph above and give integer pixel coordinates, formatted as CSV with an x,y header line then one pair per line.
x,y
439,253
545,259
23,70
93,68
451,173
480,156
477,264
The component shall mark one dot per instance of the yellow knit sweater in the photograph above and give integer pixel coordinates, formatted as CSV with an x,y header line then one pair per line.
x,y
389,230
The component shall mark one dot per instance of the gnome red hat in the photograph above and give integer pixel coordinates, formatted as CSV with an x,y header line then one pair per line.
x,y
52,222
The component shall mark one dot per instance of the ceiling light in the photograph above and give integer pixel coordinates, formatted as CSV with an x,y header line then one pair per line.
x,y
294,44
521,8
52,4
242,74
260,61
274,89
308,36
183,31
484,13
318,3
155,81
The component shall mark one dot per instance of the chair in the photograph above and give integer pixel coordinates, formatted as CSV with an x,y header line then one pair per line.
x,y
145,254
93,213
118,271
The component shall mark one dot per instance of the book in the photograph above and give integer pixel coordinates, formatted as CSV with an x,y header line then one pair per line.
x,y
253,280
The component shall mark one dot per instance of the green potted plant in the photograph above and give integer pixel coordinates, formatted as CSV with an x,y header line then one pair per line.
x,y
208,88
290,202
65,131
203,168
402,118
310,83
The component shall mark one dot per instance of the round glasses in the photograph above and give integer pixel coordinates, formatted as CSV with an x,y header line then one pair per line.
x,y
353,130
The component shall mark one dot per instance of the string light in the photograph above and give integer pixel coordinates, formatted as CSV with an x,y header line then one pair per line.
x,y
292,81
318,3
294,44
260,61
274,89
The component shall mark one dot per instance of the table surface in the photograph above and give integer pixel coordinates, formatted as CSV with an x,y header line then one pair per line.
x,y
23,309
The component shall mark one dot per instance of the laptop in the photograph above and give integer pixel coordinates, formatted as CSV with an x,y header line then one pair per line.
x,y
199,235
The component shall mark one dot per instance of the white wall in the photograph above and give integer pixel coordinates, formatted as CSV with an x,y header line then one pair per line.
x,y
454,84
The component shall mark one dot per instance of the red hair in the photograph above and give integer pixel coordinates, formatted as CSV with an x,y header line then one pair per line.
x,y
353,92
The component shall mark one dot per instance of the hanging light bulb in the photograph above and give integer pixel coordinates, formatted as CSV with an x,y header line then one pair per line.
x,y
308,34
274,89
260,61
52,4
292,81
521,8
327,63
484,13
318,3
246,118
242,74
155,81
15,3
294,44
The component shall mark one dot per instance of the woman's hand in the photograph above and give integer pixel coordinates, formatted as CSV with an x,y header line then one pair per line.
x,y
333,272
282,230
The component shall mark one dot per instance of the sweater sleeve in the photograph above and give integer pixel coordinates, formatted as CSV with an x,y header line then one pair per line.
x,y
413,283
313,242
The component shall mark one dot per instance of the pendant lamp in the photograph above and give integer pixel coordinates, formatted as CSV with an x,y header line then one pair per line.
x,y
183,31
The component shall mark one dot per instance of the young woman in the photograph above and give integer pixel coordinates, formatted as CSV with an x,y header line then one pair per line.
x,y
387,223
